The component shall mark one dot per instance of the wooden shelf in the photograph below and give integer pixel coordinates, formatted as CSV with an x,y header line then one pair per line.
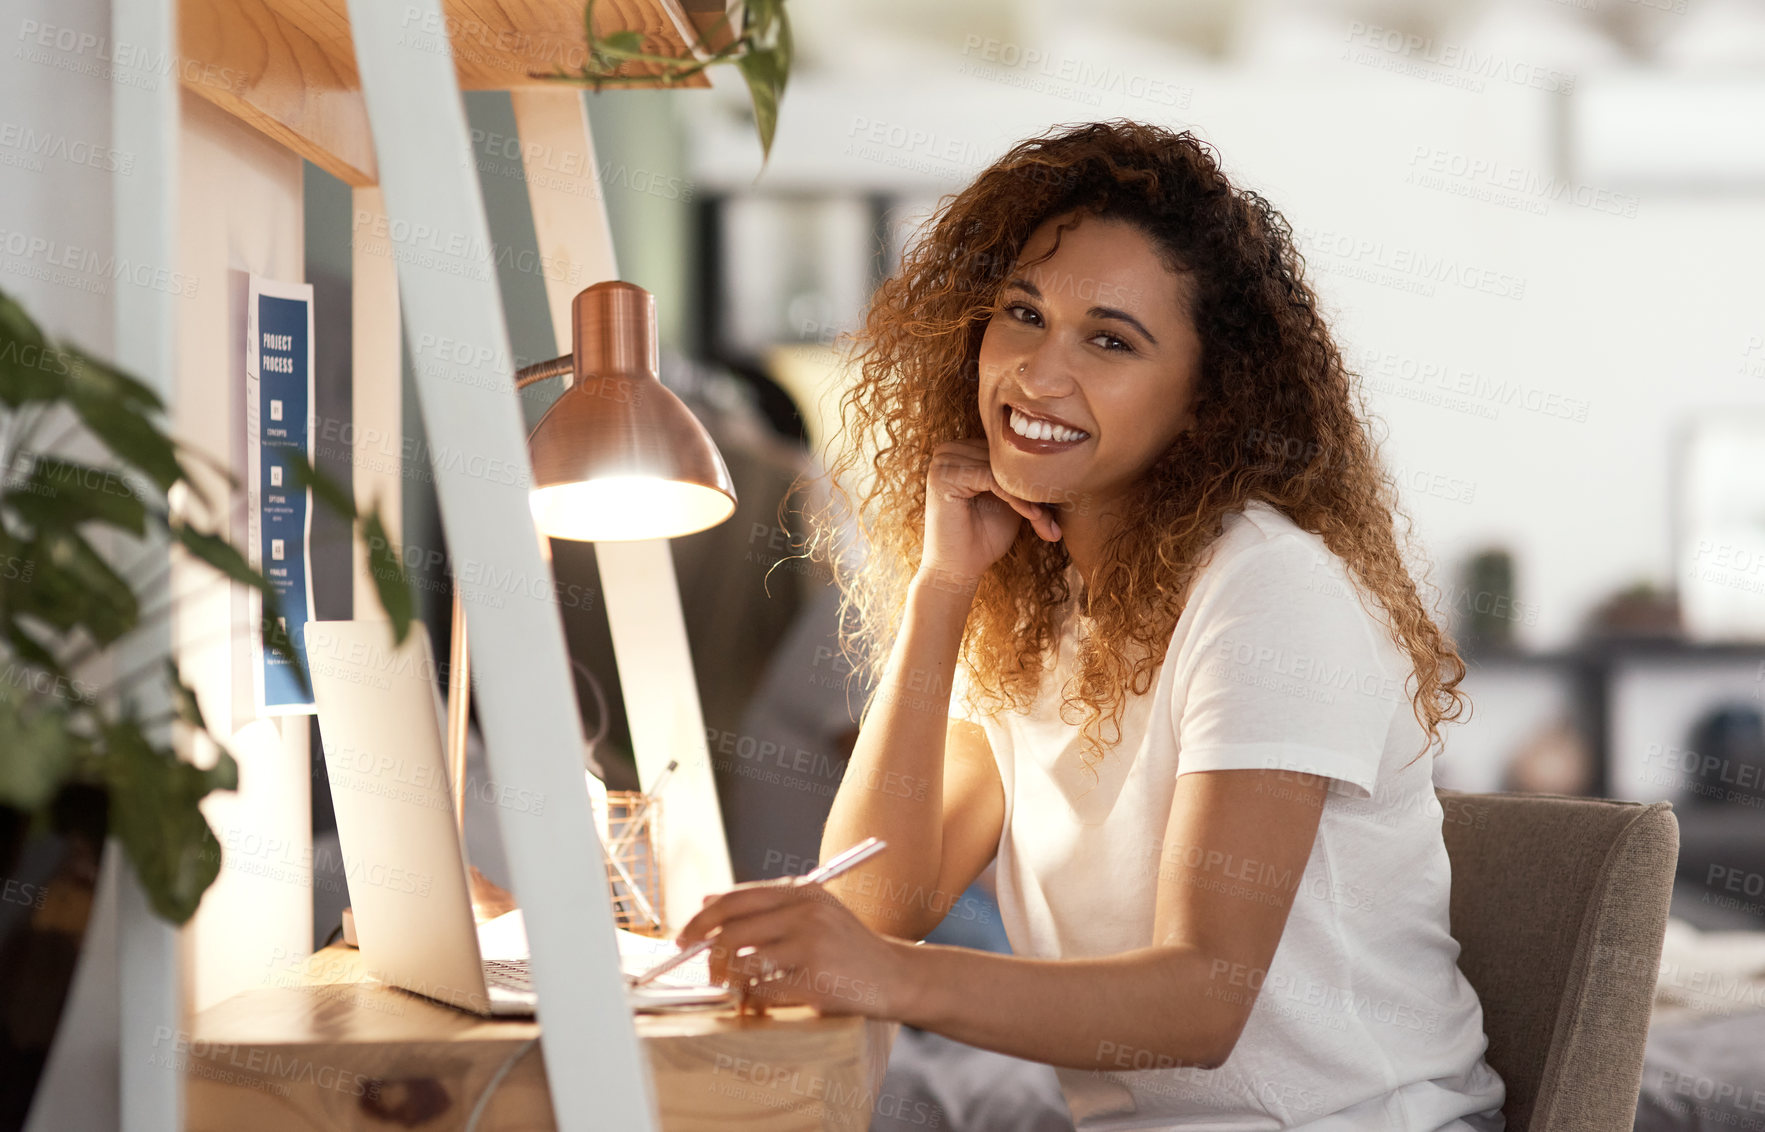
x,y
287,67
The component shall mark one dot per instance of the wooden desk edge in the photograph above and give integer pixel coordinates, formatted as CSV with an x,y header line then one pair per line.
x,y
320,1047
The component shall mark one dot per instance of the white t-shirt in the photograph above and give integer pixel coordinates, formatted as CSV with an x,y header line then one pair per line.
x,y
1363,1022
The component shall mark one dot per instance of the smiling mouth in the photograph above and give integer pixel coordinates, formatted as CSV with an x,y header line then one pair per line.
x,y
1035,428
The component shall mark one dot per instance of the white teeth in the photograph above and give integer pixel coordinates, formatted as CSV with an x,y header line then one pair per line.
x,y
1042,430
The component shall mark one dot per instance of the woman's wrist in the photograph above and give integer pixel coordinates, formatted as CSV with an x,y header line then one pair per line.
x,y
914,993
945,584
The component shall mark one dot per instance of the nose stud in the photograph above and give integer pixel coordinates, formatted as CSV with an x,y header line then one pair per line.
x,y
1021,366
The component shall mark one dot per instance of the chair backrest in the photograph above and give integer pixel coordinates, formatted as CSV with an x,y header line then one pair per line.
x,y
1559,906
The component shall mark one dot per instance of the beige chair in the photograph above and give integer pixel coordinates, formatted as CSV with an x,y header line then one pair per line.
x,y
1559,906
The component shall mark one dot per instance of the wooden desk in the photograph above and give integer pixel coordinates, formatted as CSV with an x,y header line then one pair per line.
x,y
317,1050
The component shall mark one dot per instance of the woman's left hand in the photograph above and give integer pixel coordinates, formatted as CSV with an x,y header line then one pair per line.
x,y
807,948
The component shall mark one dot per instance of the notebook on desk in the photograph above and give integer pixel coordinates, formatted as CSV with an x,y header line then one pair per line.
x,y
380,719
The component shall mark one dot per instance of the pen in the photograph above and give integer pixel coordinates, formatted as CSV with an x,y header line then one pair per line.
x,y
856,855
634,820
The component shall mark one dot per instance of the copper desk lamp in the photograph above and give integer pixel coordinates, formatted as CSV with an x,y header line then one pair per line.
x,y
617,457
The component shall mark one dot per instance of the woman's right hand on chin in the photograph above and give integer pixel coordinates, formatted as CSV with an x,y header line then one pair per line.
x,y
970,521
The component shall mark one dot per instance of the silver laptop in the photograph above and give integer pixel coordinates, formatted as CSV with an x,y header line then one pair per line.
x,y
380,716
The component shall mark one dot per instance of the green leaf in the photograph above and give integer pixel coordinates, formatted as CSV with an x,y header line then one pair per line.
x,y
59,493
154,813
785,48
15,568
72,586
29,649
16,325
390,583
38,750
219,469
280,642
621,41
226,558
220,554
120,411
762,14
595,63
31,368
100,378
224,774
761,69
766,66
184,701
325,489
762,52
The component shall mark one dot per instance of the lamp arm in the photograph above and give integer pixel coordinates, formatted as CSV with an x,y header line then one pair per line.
x,y
539,371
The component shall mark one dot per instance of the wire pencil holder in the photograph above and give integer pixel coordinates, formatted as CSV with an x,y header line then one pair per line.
x,y
634,870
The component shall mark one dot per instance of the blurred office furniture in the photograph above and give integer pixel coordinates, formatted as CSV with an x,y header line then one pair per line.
x,y
1639,610
1553,760
1632,699
1688,1061
1656,717
1559,906
1721,777
1702,1068
1708,973
1490,576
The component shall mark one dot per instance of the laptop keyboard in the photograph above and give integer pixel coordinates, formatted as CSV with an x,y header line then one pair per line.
x,y
509,975
516,975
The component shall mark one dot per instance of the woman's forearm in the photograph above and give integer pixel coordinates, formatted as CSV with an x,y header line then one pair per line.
x,y
894,782
1156,1008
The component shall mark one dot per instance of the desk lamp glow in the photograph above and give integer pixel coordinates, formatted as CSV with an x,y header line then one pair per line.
x,y
617,457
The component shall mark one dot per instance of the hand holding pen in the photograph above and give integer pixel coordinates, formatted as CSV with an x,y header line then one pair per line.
x,y
839,864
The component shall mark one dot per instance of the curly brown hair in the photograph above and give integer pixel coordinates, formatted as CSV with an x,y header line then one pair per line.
x,y
1279,419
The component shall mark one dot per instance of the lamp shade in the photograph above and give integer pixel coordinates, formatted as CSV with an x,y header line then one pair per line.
x,y
619,456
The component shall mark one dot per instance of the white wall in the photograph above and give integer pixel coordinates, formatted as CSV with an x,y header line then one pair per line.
x,y
54,123
51,102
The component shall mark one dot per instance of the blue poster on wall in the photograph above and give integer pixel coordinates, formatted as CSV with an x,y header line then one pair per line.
x,y
278,426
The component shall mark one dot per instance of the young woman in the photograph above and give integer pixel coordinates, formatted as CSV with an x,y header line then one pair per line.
x,y
1145,638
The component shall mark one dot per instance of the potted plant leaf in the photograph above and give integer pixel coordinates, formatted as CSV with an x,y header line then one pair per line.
x,y
761,51
92,723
